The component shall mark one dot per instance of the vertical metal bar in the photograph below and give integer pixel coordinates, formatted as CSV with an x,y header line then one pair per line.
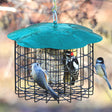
x,y
46,69
64,59
25,58
34,81
18,61
88,72
15,63
88,69
27,51
80,74
83,67
20,69
31,63
58,72
93,66
27,69
20,66
91,61
70,80
24,73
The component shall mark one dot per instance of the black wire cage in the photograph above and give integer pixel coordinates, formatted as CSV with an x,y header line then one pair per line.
x,y
53,60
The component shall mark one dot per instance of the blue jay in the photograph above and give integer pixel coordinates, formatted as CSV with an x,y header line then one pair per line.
x,y
101,70
41,77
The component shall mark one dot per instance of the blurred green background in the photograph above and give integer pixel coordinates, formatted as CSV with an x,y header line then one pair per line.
x,y
95,14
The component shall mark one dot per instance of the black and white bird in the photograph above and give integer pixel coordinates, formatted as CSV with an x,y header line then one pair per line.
x,y
72,65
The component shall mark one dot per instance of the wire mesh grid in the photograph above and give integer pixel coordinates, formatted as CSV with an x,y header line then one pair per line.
x,y
53,61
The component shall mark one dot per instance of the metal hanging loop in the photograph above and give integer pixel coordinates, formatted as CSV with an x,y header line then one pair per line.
x,y
54,10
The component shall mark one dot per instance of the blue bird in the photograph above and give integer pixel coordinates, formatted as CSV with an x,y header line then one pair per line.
x,y
101,70
41,78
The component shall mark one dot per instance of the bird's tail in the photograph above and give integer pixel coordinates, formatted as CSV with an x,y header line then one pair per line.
x,y
74,77
53,94
109,85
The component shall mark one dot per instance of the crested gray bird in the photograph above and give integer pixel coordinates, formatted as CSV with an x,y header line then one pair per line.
x,y
41,78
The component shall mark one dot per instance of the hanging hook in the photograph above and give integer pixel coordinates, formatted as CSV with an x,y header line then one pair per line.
x,y
54,10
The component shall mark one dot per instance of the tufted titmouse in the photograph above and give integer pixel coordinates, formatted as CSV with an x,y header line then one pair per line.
x,y
41,77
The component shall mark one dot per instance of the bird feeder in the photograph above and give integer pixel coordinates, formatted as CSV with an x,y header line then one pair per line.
x,y
47,43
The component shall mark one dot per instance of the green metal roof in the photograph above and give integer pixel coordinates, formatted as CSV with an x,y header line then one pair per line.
x,y
52,35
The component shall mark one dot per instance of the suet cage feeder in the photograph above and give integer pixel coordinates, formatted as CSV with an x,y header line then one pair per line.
x,y
46,43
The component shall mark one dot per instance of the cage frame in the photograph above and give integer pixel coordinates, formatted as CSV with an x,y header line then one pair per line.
x,y
84,92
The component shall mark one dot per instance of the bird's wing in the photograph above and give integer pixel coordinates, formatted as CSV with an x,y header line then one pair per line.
x,y
46,75
96,68
76,66
42,79
104,69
